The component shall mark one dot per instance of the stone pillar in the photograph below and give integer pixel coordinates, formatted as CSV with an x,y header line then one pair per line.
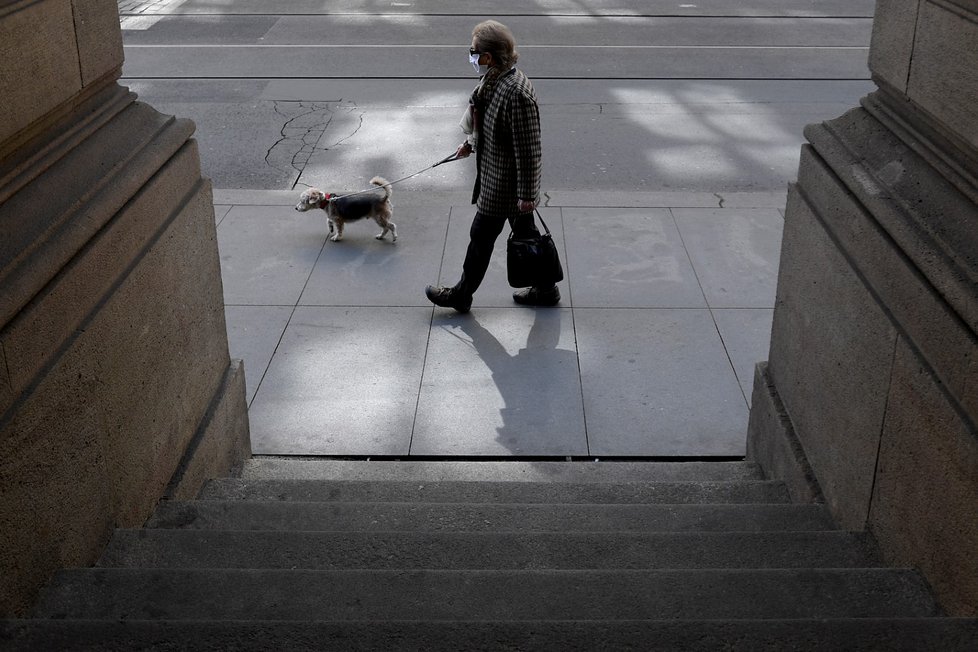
x,y
869,399
116,388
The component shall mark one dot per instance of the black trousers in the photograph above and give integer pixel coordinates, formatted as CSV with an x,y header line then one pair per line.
x,y
482,238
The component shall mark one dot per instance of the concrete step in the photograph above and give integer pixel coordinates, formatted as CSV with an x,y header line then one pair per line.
x,y
437,517
486,551
284,468
497,492
852,635
182,594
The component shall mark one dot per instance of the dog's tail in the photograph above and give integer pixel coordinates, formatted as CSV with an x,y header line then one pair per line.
x,y
383,183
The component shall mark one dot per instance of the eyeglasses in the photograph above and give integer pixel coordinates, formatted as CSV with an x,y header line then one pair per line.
x,y
473,52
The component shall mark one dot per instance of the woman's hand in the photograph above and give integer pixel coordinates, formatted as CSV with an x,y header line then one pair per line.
x,y
463,150
525,206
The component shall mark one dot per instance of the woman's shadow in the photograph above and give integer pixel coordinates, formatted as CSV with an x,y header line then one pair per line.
x,y
539,385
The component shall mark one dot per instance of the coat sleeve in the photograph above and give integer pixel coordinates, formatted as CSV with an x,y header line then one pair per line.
x,y
528,152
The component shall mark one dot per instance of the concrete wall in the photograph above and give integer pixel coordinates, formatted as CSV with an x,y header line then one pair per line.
x,y
116,387
869,399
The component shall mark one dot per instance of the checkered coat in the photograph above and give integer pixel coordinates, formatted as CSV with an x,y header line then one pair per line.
x,y
508,152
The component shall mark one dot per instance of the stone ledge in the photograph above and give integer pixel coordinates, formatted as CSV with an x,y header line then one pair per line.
x,y
908,233
773,444
943,150
34,337
930,220
221,442
51,137
80,199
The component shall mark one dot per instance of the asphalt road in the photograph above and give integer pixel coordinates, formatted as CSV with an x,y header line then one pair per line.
x,y
635,95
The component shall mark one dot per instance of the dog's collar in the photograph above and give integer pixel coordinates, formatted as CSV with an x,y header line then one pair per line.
x,y
326,198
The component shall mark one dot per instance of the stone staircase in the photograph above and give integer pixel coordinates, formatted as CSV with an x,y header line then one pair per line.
x,y
337,555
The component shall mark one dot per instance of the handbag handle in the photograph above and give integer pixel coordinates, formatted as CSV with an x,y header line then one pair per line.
x,y
540,217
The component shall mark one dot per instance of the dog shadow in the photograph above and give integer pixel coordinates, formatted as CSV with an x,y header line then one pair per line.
x,y
361,254
526,380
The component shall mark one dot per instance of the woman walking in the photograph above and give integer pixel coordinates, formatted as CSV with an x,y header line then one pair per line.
x,y
504,121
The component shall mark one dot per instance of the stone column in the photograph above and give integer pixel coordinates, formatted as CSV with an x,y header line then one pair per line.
x,y
869,399
116,388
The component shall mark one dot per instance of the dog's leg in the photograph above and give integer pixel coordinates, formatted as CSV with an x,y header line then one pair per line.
x,y
339,231
384,225
389,213
384,222
329,221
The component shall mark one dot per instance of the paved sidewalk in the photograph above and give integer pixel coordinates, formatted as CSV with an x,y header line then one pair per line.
x,y
667,304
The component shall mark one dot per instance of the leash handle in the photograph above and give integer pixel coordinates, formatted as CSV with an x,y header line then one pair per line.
x,y
447,159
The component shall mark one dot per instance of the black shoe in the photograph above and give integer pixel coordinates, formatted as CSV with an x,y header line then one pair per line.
x,y
537,296
448,298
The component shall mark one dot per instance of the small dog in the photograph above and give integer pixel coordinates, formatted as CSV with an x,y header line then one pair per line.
x,y
350,208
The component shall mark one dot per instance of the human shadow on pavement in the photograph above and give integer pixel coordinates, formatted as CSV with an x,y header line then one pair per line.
x,y
539,386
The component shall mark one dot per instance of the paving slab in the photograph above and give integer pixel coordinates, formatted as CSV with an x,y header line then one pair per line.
x,y
735,253
501,382
609,199
363,271
344,381
267,254
632,363
253,336
746,335
220,212
628,258
657,383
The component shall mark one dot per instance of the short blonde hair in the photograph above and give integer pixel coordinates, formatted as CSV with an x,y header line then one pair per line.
x,y
494,38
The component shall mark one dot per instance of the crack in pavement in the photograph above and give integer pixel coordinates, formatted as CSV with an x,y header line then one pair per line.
x,y
301,134
346,138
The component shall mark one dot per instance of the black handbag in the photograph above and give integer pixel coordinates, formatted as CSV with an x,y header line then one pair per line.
x,y
533,261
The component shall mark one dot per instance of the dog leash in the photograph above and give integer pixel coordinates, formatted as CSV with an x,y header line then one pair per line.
x,y
447,159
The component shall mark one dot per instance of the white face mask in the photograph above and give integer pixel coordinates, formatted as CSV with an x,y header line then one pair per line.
x,y
474,60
